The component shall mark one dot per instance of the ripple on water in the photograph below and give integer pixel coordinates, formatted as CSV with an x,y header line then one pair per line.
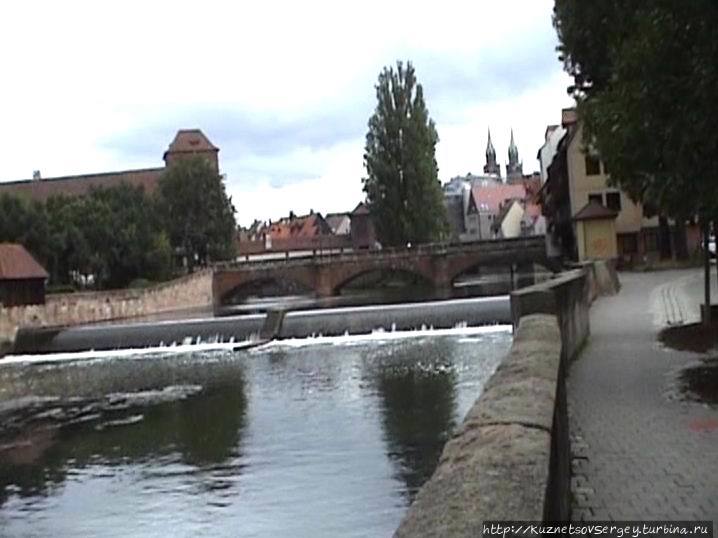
x,y
288,439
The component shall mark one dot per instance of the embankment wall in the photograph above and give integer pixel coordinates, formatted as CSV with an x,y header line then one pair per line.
x,y
60,310
510,459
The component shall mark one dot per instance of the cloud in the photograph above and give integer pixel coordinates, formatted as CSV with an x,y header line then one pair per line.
x,y
284,89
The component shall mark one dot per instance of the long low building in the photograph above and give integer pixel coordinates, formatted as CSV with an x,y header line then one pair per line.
x,y
187,142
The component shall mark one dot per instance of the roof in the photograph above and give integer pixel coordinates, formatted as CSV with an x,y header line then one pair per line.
x,y
594,210
533,210
185,141
16,263
499,220
338,222
361,209
491,196
42,189
311,225
190,141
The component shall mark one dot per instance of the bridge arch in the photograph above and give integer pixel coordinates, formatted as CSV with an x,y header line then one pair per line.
x,y
265,286
464,264
417,276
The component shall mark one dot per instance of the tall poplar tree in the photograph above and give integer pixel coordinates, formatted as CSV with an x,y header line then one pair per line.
x,y
402,187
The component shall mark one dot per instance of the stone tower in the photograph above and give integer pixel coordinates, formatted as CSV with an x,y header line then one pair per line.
x,y
191,142
491,166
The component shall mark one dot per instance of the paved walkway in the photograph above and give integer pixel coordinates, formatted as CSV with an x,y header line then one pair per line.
x,y
637,451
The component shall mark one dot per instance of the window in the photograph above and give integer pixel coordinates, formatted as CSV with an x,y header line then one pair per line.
x,y
628,243
593,166
605,167
613,201
595,198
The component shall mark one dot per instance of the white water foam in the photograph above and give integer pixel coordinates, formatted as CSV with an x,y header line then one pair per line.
x,y
380,336
130,353
376,336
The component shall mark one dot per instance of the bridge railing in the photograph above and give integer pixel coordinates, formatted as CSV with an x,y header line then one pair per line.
x,y
319,256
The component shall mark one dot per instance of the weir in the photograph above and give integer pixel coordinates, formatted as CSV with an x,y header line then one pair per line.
x,y
297,324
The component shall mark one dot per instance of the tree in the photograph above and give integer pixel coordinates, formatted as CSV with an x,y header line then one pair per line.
x,y
126,238
645,74
198,215
24,222
402,187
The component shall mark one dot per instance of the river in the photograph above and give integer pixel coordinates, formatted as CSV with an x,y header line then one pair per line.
x,y
302,438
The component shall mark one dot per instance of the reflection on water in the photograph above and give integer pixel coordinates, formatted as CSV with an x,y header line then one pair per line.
x,y
288,440
418,403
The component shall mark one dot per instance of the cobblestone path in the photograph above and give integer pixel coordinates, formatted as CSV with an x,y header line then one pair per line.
x,y
638,451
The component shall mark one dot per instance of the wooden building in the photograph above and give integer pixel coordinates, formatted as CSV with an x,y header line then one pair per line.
x,y
22,278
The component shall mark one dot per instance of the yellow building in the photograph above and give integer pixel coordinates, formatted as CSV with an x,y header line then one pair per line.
x,y
577,180
596,232
588,181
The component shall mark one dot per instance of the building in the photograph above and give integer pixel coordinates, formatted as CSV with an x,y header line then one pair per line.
x,y
552,137
187,142
363,234
518,218
22,278
474,203
340,223
596,232
576,185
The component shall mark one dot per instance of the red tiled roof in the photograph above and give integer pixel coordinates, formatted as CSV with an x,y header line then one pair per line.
x,y
594,210
191,140
311,225
16,263
490,197
532,210
42,189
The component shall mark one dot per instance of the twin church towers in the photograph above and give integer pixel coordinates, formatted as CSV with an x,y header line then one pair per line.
x,y
514,168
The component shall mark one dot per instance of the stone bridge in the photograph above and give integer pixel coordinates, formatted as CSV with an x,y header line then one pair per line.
x,y
438,264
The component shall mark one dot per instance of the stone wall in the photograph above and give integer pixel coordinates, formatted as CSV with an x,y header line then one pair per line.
x,y
191,291
568,297
497,465
511,457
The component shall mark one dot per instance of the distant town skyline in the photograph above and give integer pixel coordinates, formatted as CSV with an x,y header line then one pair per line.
x,y
285,91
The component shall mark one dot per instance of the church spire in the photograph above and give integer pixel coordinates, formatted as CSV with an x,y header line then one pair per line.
x,y
491,166
514,170
513,151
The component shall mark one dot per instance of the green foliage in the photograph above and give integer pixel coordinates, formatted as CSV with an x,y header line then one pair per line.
x,y
198,215
645,77
112,234
25,222
402,187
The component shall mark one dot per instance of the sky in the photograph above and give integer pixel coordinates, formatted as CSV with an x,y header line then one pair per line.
x,y
285,89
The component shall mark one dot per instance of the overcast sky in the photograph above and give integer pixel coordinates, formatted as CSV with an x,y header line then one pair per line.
x,y
284,89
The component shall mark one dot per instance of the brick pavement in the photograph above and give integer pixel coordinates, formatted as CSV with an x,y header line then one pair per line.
x,y
638,452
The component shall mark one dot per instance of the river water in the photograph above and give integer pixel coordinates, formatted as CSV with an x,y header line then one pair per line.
x,y
304,438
